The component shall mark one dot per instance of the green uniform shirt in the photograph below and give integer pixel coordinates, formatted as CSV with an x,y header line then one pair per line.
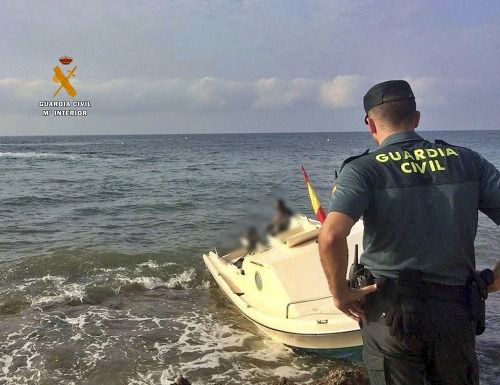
x,y
419,203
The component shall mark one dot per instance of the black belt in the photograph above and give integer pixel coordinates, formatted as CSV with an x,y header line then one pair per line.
x,y
446,293
431,290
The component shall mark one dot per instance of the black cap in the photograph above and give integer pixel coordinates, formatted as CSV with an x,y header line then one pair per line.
x,y
386,92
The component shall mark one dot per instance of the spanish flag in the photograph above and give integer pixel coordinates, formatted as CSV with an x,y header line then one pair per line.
x,y
318,210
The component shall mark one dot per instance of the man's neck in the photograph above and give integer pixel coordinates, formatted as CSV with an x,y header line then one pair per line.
x,y
384,134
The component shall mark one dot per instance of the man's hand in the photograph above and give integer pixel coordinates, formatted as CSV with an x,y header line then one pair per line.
x,y
333,253
348,301
495,286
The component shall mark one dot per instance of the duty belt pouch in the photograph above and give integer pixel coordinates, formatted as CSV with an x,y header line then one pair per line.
x,y
410,288
405,318
477,293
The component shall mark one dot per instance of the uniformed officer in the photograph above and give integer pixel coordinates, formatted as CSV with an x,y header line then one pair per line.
x,y
419,202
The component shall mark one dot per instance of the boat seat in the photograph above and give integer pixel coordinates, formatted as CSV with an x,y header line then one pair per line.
x,y
283,236
302,237
235,255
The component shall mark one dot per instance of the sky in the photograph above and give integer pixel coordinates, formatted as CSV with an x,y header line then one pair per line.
x,y
159,67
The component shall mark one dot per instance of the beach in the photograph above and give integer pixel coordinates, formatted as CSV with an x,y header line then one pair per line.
x,y
101,276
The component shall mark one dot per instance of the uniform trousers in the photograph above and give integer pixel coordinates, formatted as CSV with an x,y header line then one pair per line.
x,y
444,355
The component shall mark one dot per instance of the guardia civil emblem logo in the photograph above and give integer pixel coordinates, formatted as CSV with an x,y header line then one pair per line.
x,y
60,107
62,79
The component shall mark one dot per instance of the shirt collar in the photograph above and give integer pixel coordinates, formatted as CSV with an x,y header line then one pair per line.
x,y
401,137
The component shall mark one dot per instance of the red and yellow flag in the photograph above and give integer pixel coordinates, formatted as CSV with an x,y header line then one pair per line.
x,y
316,204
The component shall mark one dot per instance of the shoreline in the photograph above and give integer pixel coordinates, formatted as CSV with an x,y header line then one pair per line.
x,y
351,374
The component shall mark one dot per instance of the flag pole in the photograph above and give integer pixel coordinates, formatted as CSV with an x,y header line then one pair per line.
x,y
316,204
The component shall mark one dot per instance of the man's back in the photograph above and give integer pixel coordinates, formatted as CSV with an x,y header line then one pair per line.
x,y
421,210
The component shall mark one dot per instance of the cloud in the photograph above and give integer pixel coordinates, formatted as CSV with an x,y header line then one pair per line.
x,y
209,93
344,91
20,95
428,90
216,93
272,92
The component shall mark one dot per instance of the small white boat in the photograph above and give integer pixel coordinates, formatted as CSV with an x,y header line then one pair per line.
x,y
281,287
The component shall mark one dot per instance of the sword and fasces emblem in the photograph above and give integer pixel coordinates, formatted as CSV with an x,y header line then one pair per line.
x,y
59,77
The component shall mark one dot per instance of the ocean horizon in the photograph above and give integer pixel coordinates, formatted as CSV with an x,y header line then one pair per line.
x,y
241,133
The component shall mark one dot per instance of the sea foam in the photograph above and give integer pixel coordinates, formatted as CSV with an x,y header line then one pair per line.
x,y
36,155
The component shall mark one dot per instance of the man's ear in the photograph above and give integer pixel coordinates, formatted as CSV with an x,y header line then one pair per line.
x,y
372,126
417,119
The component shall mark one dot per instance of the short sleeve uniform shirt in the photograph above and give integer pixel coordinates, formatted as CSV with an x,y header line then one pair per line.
x,y
419,202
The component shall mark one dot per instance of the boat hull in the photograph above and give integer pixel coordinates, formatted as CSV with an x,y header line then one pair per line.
x,y
335,345
263,286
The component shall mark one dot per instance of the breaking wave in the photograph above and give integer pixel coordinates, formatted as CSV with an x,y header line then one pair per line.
x,y
37,155
90,278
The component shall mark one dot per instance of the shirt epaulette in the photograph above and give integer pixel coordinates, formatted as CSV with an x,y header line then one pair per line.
x,y
442,142
351,158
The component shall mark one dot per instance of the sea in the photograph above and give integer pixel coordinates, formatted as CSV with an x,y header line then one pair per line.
x,y
101,242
